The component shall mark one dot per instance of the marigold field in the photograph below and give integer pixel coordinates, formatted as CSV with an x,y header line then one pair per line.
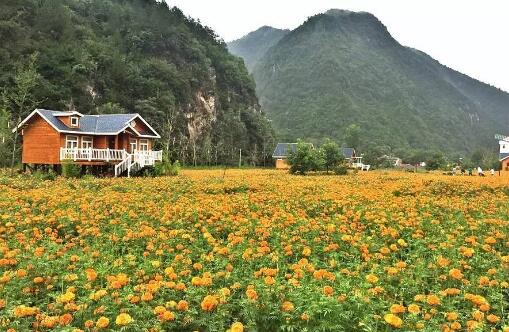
x,y
255,250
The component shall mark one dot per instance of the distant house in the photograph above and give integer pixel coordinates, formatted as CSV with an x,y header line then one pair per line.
x,y
503,156
281,153
124,141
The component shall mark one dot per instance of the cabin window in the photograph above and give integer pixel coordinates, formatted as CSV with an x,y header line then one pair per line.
x,y
87,142
133,144
71,142
74,121
143,144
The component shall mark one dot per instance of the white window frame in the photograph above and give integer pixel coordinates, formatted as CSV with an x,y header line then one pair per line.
x,y
75,121
143,144
133,141
73,139
87,142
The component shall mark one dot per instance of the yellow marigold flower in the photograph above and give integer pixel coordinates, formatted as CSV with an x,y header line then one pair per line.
x,y
66,297
414,309
159,310
371,278
393,320
304,316
237,327
102,322
123,319
306,251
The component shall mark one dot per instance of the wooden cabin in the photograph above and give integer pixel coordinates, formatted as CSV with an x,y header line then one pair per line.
x,y
124,141
504,154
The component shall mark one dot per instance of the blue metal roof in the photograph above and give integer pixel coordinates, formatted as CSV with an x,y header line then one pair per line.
x,y
283,149
503,156
348,152
104,124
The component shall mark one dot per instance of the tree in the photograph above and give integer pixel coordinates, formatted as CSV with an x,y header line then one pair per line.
x,y
331,154
5,131
353,136
21,97
436,161
304,159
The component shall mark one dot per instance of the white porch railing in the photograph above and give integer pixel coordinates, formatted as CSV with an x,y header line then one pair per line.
x,y
90,154
145,158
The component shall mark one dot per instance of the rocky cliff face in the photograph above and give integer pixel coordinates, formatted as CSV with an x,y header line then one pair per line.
x,y
140,56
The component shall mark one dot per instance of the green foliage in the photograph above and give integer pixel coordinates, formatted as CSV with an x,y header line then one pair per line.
x,y
331,154
112,56
45,175
436,161
341,169
353,136
167,168
304,159
70,169
340,68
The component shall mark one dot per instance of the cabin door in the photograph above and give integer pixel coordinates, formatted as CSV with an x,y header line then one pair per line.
x,y
111,142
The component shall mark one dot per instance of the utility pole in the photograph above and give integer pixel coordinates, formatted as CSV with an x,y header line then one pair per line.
x,y
240,158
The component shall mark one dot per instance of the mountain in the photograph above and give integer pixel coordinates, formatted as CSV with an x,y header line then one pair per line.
x,y
254,45
124,56
341,68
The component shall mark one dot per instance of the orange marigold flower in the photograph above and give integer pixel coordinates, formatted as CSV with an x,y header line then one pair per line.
x,y
65,319
287,306
182,305
102,322
455,274
251,294
433,300
451,316
328,291
492,318
209,303
397,309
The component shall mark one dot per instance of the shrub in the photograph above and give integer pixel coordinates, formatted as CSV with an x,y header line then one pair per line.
x,y
341,170
166,168
71,169
45,176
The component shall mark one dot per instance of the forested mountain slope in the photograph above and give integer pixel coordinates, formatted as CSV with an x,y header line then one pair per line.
x,y
105,56
253,46
341,68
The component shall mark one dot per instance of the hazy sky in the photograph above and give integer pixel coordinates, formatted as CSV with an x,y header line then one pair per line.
x,y
470,36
